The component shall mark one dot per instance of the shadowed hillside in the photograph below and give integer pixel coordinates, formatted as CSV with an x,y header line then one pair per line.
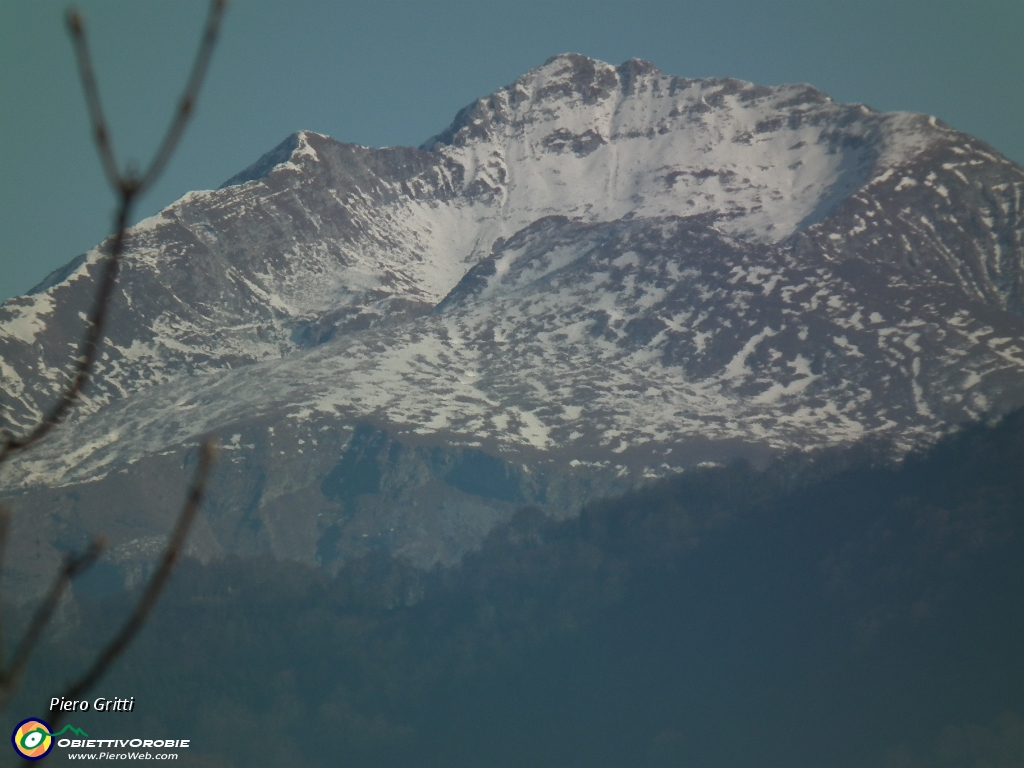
x,y
829,612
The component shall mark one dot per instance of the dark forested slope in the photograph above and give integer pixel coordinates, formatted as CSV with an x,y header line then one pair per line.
x,y
830,612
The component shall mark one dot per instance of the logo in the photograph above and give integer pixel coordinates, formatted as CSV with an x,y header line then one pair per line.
x,y
32,739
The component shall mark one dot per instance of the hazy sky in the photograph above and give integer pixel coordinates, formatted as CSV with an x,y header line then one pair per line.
x,y
384,73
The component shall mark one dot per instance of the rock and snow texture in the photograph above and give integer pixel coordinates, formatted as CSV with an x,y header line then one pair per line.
x,y
595,267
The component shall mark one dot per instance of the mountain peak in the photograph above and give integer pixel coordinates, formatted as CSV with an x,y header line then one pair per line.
x,y
575,132
642,272
295,146
574,75
570,75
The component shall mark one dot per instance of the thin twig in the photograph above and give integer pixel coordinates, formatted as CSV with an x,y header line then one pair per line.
x,y
73,565
89,349
128,187
100,132
172,553
188,98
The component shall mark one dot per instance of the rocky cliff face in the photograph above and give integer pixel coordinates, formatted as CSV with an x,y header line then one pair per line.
x,y
596,275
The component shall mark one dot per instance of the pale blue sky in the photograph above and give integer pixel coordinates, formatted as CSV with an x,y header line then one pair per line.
x,y
383,73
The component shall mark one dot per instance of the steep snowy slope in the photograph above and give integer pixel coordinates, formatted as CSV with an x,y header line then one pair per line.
x,y
319,238
595,275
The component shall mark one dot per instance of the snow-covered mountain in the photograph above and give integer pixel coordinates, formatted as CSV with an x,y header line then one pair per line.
x,y
595,275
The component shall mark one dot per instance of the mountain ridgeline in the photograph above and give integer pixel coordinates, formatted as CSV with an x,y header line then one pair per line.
x,y
595,277
630,420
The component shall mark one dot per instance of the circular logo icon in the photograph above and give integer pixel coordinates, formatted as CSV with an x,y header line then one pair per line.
x,y
32,739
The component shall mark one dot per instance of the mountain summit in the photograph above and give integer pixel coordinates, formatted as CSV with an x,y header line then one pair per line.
x,y
595,275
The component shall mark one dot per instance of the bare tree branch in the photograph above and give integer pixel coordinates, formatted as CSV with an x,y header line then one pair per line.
x,y
128,187
89,349
188,98
127,184
172,553
100,132
73,565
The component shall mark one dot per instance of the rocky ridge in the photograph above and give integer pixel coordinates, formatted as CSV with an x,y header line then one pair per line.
x,y
596,275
